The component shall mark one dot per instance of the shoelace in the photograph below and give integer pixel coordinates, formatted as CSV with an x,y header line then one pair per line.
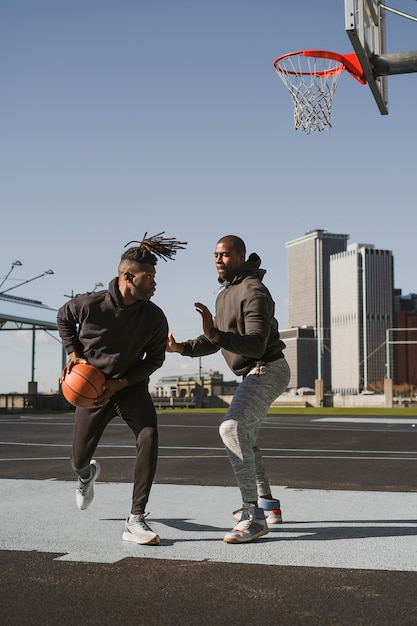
x,y
141,521
245,519
83,486
244,510
243,524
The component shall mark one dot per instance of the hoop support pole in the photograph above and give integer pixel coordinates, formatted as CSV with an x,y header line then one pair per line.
x,y
396,63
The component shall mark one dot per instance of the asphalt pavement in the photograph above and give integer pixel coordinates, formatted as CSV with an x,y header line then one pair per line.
x,y
346,552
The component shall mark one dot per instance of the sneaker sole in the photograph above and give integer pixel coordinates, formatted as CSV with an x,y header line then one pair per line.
x,y
244,538
153,541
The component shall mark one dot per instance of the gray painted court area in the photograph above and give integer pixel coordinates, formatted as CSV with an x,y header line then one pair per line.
x,y
334,529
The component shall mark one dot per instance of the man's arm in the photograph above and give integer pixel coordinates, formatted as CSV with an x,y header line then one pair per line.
x,y
67,322
201,346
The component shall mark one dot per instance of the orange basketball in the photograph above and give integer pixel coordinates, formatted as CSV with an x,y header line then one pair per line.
x,y
83,384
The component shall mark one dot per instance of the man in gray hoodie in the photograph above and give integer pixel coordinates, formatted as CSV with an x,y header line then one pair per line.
x,y
246,332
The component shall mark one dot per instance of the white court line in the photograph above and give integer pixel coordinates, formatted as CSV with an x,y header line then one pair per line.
x,y
368,420
132,447
268,453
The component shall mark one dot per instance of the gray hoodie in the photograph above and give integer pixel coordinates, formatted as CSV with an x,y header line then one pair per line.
x,y
248,330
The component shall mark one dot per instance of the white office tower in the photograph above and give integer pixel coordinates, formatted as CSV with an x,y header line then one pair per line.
x,y
309,293
361,303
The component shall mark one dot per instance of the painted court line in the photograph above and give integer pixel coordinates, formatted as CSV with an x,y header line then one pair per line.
x,y
368,420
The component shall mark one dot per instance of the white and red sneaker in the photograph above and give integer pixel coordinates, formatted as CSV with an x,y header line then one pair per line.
x,y
252,525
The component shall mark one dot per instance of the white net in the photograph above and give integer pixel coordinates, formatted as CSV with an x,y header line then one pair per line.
x,y
312,83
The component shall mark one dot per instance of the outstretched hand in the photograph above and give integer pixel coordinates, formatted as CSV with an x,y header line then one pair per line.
x,y
206,317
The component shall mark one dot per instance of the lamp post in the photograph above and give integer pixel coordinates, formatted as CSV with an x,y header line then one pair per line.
x,y
14,264
48,271
72,294
32,385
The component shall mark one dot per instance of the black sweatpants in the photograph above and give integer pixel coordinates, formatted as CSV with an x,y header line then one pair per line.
x,y
134,405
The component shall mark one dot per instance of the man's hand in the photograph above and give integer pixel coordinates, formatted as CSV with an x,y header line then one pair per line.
x,y
110,387
173,346
73,360
207,318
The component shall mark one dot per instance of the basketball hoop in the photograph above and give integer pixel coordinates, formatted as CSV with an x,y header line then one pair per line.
x,y
311,77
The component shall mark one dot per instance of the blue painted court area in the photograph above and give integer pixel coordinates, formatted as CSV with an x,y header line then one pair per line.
x,y
322,529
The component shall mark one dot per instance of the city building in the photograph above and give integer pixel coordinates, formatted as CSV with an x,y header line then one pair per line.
x,y
204,389
361,305
309,296
404,338
301,354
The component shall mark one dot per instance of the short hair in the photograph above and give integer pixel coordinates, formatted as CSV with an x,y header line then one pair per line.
x,y
236,242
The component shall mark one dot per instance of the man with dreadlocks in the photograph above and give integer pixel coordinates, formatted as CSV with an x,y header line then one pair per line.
x,y
122,333
246,332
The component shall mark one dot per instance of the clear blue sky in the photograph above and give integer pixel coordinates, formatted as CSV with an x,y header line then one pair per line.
x,y
125,117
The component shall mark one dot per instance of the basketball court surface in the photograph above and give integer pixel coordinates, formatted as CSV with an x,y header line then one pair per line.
x,y
348,493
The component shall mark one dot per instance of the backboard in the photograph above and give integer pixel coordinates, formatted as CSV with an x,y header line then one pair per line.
x,y
365,26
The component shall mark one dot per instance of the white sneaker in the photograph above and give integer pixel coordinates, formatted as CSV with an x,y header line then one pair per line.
x,y
252,525
139,531
84,493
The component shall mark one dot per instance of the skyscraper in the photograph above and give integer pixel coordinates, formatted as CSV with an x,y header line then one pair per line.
x,y
361,304
404,365
309,290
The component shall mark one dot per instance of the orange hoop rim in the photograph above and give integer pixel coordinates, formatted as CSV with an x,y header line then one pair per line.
x,y
349,62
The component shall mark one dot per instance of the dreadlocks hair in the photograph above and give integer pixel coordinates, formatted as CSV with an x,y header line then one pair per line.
x,y
152,247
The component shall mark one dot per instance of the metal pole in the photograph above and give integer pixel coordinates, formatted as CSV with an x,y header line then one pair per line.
x,y
396,63
14,264
27,281
396,12
33,353
199,388
388,354
318,312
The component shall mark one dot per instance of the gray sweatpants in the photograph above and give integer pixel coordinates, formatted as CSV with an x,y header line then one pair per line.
x,y
239,429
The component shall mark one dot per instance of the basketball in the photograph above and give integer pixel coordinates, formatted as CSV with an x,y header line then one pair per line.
x,y
82,385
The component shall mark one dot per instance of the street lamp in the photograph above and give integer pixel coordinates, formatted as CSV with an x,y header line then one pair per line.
x,y
33,385
48,271
14,264
72,294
